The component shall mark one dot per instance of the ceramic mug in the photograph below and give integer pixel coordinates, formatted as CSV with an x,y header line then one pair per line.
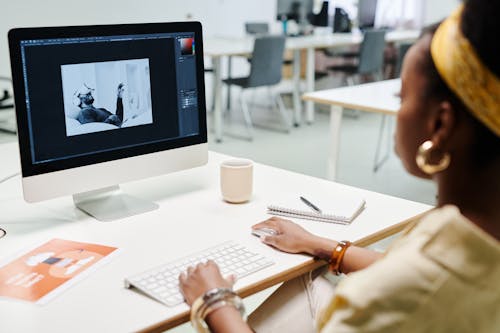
x,y
236,180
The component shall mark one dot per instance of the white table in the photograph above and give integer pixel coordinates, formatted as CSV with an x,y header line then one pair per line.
x,y
379,97
191,217
219,47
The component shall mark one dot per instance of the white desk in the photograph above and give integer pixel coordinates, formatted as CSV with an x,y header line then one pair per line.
x,y
380,97
219,47
191,217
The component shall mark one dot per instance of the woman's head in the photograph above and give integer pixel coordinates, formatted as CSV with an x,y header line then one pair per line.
x,y
430,110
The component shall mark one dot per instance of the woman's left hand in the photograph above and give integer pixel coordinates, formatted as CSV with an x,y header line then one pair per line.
x,y
202,278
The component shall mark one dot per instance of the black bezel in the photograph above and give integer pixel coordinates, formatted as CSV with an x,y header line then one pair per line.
x,y
18,34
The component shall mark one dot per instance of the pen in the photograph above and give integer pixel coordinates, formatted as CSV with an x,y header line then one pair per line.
x,y
310,204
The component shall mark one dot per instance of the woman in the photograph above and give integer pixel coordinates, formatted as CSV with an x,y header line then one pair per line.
x,y
442,275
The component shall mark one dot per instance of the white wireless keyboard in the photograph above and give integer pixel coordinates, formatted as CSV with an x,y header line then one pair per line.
x,y
162,282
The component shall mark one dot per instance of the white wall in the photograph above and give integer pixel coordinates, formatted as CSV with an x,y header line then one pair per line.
x,y
219,17
436,10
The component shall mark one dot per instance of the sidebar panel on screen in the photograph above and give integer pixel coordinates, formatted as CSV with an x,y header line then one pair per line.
x,y
186,82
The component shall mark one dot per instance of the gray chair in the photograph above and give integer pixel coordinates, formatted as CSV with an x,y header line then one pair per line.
x,y
265,70
6,103
257,28
370,60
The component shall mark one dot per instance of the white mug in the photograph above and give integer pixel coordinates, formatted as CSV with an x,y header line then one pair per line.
x,y
236,180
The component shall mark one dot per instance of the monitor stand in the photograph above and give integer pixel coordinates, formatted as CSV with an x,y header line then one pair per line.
x,y
110,204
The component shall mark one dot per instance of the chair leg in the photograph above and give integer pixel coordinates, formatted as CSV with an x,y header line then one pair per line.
x,y
350,80
246,115
282,110
270,96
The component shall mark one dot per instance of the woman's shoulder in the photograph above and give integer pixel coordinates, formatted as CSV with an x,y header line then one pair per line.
x,y
459,246
446,228
443,256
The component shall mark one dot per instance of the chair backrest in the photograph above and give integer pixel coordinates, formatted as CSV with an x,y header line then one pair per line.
x,y
403,48
371,53
267,61
257,28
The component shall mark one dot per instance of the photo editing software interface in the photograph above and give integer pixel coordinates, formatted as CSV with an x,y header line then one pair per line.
x,y
88,95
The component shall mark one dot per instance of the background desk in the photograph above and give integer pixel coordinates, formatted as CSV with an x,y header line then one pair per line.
x,y
191,217
218,47
380,97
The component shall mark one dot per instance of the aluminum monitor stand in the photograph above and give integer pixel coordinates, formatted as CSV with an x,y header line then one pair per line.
x,y
111,204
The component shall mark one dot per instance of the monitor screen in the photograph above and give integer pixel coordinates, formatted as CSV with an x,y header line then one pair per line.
x,y
87,95
98,106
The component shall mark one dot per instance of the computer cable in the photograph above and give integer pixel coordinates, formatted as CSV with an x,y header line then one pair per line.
x,y
3,180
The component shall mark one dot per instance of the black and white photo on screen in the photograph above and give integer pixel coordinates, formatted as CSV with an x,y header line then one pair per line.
x,y
102,96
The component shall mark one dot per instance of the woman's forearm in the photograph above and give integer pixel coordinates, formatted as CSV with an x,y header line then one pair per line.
x,y
355,258
227,319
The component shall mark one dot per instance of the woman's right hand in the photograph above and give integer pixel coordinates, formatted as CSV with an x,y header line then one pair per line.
x,y
290,237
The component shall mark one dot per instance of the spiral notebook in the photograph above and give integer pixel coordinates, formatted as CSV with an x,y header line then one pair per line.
x,y
342,210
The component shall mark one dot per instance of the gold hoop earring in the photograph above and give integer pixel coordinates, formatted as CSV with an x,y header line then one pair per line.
x,y
423,154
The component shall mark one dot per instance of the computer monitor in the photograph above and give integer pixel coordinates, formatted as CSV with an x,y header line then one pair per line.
x,y
97,106
296,10
366,13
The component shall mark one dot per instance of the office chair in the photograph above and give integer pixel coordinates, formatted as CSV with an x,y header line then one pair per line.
x,y
371,58
261,29
5,96
402,50
6,104
257,28
265,71
251,28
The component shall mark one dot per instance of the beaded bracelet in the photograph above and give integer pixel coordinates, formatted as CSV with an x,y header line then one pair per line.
x,y
337,256
211,301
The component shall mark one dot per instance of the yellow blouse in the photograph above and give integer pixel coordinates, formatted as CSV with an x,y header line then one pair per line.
x,y
442,275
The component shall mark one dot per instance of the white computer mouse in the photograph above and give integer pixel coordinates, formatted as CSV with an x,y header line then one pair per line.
x,y
264,232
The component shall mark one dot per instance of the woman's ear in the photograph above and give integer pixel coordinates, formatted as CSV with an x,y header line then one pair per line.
x,y
443,124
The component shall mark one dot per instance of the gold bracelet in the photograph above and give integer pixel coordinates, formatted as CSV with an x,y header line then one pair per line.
x,y
211,301
337,256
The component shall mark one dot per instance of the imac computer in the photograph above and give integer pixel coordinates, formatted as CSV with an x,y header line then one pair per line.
x,y
97,106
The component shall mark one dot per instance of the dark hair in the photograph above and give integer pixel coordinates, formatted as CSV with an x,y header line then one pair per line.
x,y
481,27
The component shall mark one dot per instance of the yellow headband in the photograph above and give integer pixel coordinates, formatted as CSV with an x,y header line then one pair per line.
x,y
460,67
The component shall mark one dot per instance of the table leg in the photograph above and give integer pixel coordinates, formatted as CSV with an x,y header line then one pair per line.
x,y
216,63
229,69
297,106
335,123
310,84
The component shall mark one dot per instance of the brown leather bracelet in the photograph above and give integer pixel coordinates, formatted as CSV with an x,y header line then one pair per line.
x,y
337,256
